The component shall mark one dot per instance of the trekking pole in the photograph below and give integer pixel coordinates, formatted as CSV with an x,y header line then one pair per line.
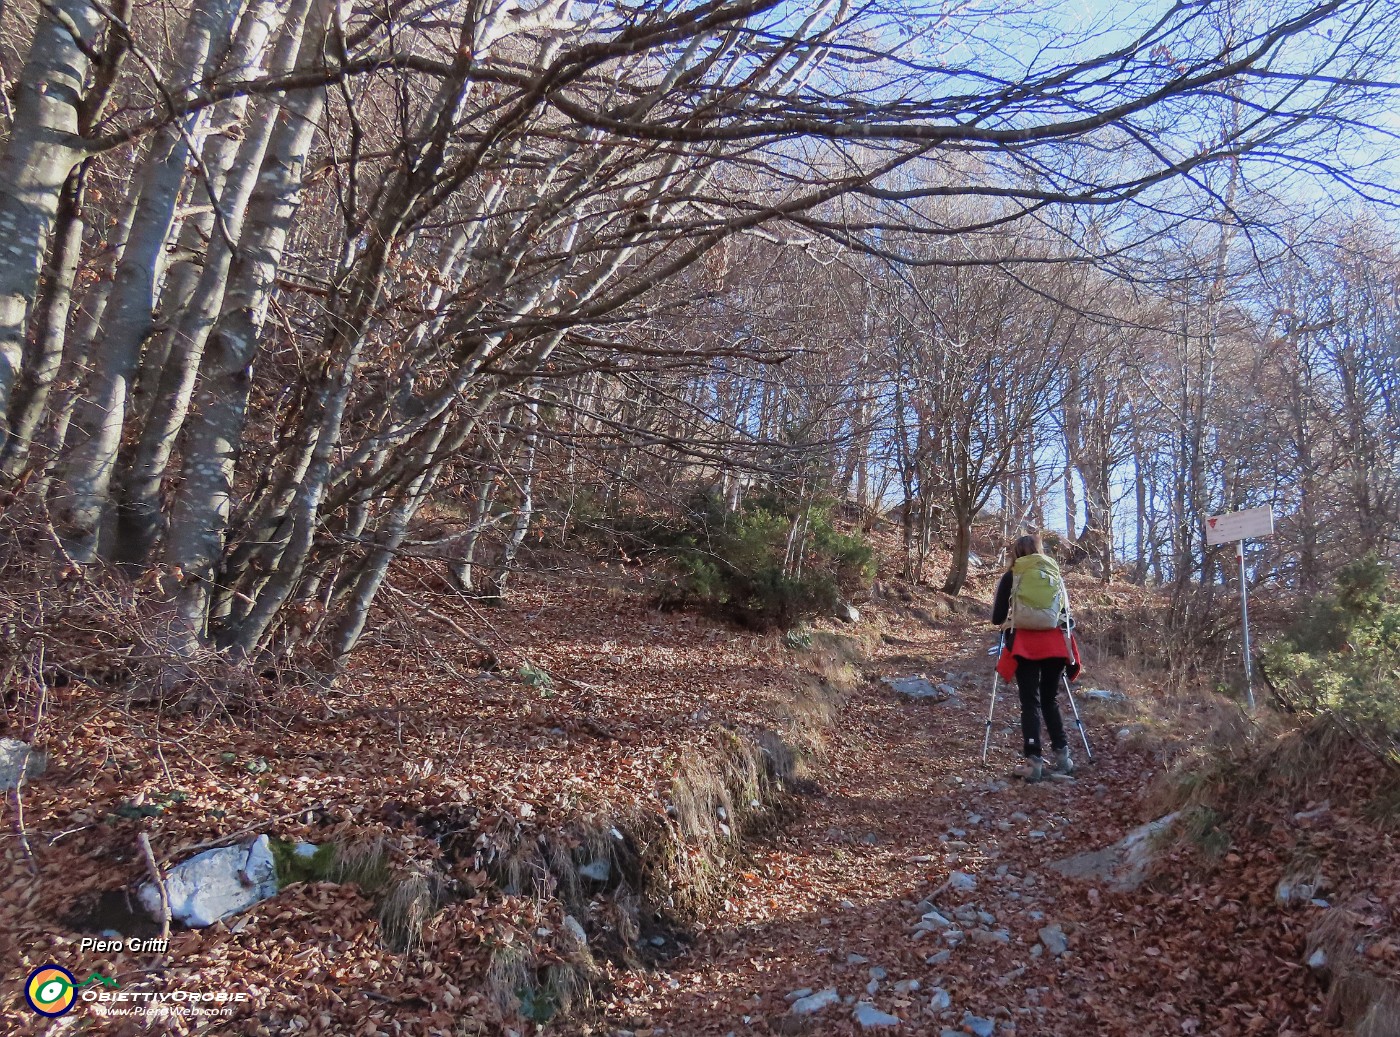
x,y
1077,722
991,706
1064,676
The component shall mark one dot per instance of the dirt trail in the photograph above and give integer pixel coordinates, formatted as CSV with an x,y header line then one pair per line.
x,y
905,801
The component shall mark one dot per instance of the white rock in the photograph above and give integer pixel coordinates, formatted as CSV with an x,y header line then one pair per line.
x,y
813,1003
871,1018
941,1000
216,884
17,758
933,918
977,1025
1318,960
598,870
962,881
798,995
575,929
1321,810
1054,939
846,612
906,986
1122,866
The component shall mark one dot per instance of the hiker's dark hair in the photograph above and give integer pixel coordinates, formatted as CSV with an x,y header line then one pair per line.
x,y
1030,544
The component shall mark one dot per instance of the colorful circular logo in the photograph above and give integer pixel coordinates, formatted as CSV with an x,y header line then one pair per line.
x,y
50,990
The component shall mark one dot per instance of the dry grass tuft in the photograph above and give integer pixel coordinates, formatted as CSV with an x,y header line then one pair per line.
x,y
406,908
1358,998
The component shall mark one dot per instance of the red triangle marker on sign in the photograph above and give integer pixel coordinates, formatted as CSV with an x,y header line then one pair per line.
x,y
1212,522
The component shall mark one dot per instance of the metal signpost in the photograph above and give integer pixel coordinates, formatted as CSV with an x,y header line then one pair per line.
x,y
1239,526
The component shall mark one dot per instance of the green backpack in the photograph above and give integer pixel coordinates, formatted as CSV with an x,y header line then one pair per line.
x,y
1038,597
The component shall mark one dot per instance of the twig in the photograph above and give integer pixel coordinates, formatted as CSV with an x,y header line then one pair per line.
x,y
145,841
19,820
237,834
472,638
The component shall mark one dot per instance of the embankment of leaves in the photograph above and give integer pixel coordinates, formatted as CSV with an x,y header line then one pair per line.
x,y
1296,821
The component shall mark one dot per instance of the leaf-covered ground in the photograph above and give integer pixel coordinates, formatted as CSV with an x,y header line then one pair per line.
x,y
833,901
613,698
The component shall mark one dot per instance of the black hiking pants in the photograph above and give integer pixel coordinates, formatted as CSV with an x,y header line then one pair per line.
x,y
1039,683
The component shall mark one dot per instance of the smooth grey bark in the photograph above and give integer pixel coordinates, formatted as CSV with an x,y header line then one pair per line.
x,y
200,516
192,316
207,225
526,511
96,432
49,329
44,147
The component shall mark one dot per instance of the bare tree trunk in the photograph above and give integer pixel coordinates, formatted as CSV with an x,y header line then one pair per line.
x,y
44,147
50,328
95,435
201,512
194,315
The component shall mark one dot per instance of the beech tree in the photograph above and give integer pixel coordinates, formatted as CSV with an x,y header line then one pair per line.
x,y
345,246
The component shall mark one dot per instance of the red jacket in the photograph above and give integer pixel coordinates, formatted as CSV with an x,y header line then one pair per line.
x,y
1039,644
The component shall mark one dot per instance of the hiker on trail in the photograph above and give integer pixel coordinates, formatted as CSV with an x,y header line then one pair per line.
x,y
1038,646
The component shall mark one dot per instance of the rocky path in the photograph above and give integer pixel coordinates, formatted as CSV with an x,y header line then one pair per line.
x,y
913,895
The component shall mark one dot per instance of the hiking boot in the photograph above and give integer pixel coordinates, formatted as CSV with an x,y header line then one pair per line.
x,y
1032,769
1063,764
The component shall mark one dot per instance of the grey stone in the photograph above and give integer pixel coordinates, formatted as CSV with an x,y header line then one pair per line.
x,y
953,937
974,819
813,1003
916,688
977,1025
986,918
933,918
873,987
985,937
215,884
941,958
598,870
1122,866
846,612
1318,960
18,758
877,973
1103,695
871,1018
857,959
940,1001
1020,816
962,882
1054,939
906,986
575,929
798,995
1321,810
1300,888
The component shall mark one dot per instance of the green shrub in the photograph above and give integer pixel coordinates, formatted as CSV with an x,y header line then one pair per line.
x,y
768,565
1343,655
